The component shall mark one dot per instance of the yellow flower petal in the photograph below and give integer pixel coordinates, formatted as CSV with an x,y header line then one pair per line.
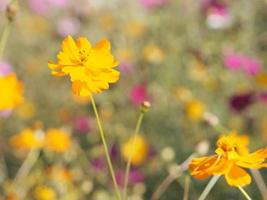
x,y
90,68
10,92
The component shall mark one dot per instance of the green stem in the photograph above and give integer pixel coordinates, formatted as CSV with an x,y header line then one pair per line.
x,y
105,148
260,183
208,188
244,193
128,166
171,177
186,188
27,165
4,38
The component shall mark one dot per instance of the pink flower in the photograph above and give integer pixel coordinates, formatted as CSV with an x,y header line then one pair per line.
x,y
58,3
41,7
138,94
3,5
68,26
249,65
152,3
217,14
5,68
126,67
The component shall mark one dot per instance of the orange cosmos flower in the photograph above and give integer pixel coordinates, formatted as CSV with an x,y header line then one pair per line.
x,y
10,92
57,140
232,155
91,69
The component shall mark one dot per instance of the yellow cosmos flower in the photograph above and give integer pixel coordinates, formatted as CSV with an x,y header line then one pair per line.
x,y
27,139
44,193
57,140
91,69
232,155
139,151
10,92
195,110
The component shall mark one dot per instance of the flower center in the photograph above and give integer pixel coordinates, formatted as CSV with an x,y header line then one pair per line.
x,y
83,55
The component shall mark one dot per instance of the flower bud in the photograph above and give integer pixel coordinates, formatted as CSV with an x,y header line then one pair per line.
x,y
11,11
211,119
202,148
145,106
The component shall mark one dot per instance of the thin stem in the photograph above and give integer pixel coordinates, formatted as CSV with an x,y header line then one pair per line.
x,y
4,38
27,164
208,188
163,186
105,148
260,183
186,188
244,193
128,166
171,177
5,33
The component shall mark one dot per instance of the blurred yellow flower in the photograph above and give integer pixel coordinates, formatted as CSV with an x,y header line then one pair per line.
x,y
81,100
59,173
44,193
106,22
134,28
124,54
27,139
195,110
90,68
10,92
139,151
232,154
11,196
261,79
182,94
57,140
26,110
153,54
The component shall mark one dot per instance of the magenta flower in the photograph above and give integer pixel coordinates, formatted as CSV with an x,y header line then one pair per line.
x,y
138,94
248,65
149,4
135,176
240,102
217,14
82,124
98,164
263,97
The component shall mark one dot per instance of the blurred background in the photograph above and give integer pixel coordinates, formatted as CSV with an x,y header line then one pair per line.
x,y
193,60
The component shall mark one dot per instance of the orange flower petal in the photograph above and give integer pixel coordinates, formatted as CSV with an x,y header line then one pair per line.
x,y
237,176
199,166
